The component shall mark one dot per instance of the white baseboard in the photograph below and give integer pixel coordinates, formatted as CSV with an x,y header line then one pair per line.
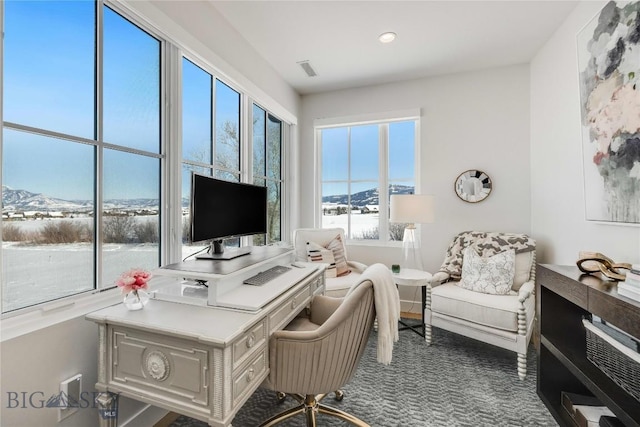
x,y
408,306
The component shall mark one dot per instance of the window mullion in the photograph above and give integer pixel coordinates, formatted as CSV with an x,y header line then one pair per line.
x,y
417,151
349,183
171,225
246,137
286,189
317,220
99,151
213,135
383,182
246,151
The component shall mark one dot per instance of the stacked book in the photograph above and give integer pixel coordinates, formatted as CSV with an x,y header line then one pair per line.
x,y
630,288
587,411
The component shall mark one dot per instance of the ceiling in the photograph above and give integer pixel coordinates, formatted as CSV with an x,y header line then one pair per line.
x,y
340,38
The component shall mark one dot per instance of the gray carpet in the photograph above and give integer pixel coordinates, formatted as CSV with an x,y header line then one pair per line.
x,y
456,381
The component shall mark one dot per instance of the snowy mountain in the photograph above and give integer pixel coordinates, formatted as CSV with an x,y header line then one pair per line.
x,y
367,197
26,201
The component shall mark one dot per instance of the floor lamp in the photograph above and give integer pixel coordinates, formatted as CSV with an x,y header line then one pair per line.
x,y
411,209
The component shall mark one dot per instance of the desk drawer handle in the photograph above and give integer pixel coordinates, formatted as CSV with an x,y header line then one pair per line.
x,y
251,340
250,375
294,303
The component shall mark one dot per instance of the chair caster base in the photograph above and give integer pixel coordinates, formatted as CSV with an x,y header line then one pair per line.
x,y
310,407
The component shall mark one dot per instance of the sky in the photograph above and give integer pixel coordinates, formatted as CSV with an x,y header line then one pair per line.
x,y
61,98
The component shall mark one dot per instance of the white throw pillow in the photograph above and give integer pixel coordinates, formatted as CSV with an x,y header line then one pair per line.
x,y
316,253
492,275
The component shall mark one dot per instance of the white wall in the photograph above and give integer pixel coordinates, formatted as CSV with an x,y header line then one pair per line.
x,y
476,120
36,363
39,361
198,26
557,195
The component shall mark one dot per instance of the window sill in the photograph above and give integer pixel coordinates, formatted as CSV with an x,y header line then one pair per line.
x,y
49,314
375,243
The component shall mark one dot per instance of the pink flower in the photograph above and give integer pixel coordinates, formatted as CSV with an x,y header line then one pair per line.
x,y
133,280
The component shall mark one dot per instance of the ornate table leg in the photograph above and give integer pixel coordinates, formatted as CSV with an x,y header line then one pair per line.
x,y
107,409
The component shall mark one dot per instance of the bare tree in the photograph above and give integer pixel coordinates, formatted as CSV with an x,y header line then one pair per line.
x,y
267,167
64,232
228,146
12,233
118,228
146,231
396,230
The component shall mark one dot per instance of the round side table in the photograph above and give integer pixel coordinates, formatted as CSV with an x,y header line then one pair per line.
x,y
412,277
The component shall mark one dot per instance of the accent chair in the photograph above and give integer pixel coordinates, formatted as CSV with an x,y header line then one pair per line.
x,y
318,354
334,286
506,319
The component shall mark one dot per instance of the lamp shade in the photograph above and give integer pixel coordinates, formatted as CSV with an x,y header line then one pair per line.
x,y
412,208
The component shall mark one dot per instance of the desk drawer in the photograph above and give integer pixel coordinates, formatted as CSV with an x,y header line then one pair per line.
x,y
245,380
288,309
317,286
160,365
248,343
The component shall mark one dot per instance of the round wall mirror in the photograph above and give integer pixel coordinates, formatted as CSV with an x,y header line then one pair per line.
x,y
473,186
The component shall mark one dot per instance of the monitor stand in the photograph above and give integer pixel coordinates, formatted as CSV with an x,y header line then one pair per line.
x,y
202,269
219,252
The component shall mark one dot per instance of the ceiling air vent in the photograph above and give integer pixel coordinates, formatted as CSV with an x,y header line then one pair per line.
x,y
307,68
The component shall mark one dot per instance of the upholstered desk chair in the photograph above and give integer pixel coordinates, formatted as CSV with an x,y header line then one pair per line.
x,y
502,320
334,286
318,354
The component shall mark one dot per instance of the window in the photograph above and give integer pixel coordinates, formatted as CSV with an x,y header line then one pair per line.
x,y
84,146
210,135
197,136
227,128
80,172
267,169
361,165
213,145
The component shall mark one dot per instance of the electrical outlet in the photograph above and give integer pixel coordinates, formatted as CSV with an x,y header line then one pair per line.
x,y
69,397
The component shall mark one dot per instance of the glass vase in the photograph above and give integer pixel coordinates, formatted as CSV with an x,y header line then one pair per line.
x,y
136,300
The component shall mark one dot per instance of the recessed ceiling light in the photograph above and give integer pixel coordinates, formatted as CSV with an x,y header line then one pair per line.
x,y
387,37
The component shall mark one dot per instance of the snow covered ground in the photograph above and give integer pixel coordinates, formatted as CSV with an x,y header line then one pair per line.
x,y
359,223
32,274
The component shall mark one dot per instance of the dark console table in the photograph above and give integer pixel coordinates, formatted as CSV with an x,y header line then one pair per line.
x,y
565,296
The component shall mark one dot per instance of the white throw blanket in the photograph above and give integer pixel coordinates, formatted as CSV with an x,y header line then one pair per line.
x,y
387,302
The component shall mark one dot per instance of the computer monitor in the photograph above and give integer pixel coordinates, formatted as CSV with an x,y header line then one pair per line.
x,y
223,209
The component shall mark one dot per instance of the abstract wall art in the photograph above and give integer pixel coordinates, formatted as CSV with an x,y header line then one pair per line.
x,y
609,65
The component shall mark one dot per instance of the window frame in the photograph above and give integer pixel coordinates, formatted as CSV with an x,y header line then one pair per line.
x,y
247,101
285,129
383,120
99,145
32,318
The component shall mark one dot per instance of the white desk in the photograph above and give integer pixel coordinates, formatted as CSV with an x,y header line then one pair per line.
x,y
200,361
